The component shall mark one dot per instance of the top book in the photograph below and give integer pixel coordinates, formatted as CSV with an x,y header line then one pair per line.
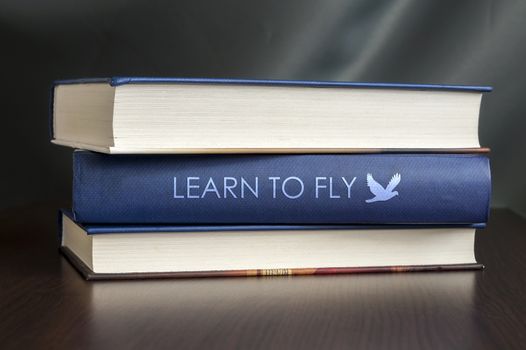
x,y
182,115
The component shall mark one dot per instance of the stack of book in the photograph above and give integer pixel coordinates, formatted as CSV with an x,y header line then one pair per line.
x,y
220,177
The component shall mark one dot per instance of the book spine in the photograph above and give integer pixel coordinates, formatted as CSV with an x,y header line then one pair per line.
x,y
281,189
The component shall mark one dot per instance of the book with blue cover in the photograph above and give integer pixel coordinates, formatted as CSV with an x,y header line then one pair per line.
x,y
157,251
281,189
189,115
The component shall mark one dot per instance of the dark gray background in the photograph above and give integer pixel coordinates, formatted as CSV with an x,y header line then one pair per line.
x,y
450,42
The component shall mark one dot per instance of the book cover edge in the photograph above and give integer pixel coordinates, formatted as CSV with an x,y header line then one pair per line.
x,y
145,151
117,81
93,229
89,275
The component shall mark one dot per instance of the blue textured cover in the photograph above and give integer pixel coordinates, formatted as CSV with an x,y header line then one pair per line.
x,y
160,189
94,229
116,81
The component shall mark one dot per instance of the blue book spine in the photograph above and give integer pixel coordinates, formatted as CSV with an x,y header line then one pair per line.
x,y
379,189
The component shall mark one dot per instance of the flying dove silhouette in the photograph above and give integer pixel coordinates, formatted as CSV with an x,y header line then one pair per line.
x,y
382,194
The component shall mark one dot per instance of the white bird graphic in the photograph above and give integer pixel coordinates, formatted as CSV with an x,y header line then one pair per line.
x,y
382,194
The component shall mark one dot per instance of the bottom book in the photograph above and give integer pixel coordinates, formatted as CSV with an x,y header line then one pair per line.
x,y
137,252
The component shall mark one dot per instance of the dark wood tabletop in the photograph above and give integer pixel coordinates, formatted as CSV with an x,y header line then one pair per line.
x,y
44,302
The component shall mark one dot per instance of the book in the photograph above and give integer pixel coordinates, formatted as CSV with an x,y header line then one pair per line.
x,y
183,115
120,252
281,189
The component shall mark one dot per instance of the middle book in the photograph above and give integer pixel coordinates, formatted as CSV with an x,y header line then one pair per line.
x,y
281,189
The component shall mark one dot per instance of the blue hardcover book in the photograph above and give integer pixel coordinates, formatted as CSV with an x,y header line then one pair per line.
x,y
281,189
181,251
129,115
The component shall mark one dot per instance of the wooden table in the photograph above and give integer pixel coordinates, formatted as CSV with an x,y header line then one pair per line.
x,y
44,303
